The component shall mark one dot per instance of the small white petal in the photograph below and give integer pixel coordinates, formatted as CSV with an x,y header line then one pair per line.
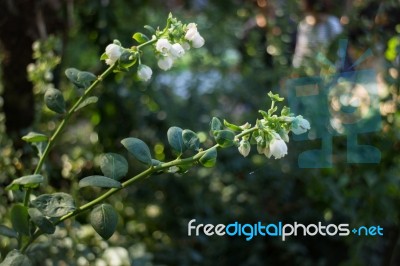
x,y
177,50
163,46
278,148
198,41
144,72
165,63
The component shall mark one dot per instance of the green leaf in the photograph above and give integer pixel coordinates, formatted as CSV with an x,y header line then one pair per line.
x,y
225,138
232,126
140,37
150,29
209,159
54,205
15,258
175,139
20,219
28,181
275,97
285,111
155,162
264,114
114,166
54,100
104,220
104,56
99,181
42,222
34,137
81,79
138,149
86,102
190,139
215,125
6,231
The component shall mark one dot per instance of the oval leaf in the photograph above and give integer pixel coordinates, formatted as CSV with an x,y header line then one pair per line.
x,y
20,219
225,138
175,139
54,100
140,37
138,149
215,125
6,231
42,222
104,220
86,102
15,258
232,126
28,181
34,137
81,79
114,166
209,159
99,181
190,139
54,205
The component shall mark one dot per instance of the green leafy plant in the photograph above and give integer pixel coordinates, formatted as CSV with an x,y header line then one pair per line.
x,y
40,215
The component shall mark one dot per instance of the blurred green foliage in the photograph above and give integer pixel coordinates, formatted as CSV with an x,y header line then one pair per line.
x,y
244,58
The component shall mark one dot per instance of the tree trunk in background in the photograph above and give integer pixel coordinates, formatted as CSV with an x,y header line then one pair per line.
x,y
21,23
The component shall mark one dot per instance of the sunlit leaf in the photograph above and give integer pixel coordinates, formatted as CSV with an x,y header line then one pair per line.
x,y
28,181
215,125
34,137
140,37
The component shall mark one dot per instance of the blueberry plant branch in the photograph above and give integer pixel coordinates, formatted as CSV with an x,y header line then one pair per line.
x,y
40,216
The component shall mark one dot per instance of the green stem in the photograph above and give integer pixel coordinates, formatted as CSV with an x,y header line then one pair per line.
x,y
148,172
62,125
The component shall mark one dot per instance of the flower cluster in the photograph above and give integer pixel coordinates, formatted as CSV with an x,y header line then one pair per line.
x,y
171,48
169,44
272,132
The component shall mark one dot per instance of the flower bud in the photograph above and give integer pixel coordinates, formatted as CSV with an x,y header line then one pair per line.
x,y
300,125
113,52
165,63
144,72
177,50
198,41
244,147
277,148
